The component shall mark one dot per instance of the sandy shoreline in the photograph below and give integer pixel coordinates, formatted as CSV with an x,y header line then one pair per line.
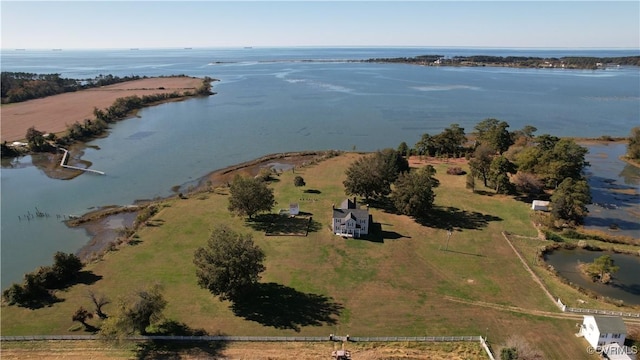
x,y
53,114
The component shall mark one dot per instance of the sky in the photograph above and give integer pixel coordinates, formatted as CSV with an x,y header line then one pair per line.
x,y
173,24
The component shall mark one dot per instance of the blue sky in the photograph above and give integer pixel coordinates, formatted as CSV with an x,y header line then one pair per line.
x,y
166,24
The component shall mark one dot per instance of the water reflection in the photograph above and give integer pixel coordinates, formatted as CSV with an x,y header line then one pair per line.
x,y
615,191
625,285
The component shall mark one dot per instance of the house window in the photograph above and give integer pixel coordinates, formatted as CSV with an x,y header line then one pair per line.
x,y
616,336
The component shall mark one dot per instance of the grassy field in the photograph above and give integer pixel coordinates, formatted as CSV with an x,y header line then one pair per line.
x,y
400,282
96,350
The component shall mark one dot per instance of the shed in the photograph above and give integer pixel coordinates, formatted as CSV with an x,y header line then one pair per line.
x,y
540,205
294,209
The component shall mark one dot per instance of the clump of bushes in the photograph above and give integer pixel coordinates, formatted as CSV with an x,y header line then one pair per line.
x,y
36,288
146,214
456,171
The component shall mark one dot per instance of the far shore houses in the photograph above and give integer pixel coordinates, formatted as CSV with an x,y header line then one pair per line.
x,y
349,220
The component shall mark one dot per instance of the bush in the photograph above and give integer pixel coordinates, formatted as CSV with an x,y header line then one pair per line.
x,y
298,181
553,236
456,171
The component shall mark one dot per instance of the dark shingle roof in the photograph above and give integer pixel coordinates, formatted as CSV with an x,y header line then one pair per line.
x,y
610,324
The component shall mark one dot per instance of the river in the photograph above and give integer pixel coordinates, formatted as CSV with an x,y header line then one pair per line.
x,y
269,100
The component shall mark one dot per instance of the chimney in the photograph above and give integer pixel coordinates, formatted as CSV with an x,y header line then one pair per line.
x,y
333,206
355,205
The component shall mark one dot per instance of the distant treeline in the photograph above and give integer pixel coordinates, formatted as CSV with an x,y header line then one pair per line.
x,y
22,86
571,62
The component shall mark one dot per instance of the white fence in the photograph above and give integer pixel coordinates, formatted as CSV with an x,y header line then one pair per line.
x,y
565,308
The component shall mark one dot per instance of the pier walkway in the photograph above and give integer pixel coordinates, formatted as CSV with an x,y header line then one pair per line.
x,y
63,163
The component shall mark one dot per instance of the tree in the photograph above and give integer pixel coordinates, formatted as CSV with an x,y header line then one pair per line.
x,y
413,192
499,171
372,175
248,196
602,268
494,133
35,139
146,308
425,145
229,264
450,141
298,181
633,148
480,164
82,315
470,182
135,313
98,301
569,201
403,149
527,183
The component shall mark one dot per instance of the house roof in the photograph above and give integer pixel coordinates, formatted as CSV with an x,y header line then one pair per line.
x,y
354,213
348,204
610,324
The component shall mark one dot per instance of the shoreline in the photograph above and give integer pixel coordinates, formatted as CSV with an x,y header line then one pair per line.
x,y
105,225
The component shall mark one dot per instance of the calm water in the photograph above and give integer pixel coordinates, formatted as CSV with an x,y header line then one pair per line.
x,y
626,283
615,191
270,101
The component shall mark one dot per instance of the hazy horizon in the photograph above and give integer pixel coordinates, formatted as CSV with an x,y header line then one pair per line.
x,y
224,24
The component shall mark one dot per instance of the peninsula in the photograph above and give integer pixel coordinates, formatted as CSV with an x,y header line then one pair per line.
x,y
53,114
567,62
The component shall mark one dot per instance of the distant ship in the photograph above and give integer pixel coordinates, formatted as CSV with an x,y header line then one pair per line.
x,y
20,49
134,49
187,48
56,49
248,47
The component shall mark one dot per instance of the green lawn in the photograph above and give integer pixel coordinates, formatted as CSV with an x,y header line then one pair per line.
x,y
322,283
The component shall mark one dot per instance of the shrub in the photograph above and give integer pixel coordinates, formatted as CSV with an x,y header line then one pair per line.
x,y
456,171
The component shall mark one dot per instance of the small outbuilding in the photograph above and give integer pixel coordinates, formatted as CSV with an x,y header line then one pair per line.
x,y
294,209
540,205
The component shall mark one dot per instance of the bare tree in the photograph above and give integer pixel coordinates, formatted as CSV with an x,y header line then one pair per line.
x,y
98,301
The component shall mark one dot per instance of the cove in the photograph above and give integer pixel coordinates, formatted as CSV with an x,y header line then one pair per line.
x,y
626,282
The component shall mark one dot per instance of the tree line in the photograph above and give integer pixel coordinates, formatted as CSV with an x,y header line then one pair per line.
x,y
90,128
509,162
570,62
23,86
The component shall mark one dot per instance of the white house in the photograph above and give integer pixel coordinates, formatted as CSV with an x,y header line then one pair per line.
x,y
294,209
350,221
603,330
540,205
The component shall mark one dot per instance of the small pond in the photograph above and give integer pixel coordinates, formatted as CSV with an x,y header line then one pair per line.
x,y
626,282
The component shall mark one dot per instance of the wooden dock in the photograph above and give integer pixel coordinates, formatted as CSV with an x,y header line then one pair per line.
x,y
63,163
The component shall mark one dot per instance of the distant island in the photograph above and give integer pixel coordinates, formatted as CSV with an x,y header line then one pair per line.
x,y
568,62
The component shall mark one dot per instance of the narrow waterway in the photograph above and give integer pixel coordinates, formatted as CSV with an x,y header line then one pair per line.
x,y
626,282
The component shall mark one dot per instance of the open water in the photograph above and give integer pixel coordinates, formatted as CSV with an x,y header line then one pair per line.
x,y
274,100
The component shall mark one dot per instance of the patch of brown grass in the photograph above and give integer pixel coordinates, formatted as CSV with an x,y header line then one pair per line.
x,y
52,114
